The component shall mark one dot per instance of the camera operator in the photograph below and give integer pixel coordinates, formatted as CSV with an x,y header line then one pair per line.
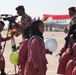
x,y
25,20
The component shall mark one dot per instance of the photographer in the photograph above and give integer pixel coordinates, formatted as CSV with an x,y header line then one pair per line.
x,y
25,20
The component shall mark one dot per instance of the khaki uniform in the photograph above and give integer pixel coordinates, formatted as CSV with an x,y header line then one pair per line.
x,y
72,21
25,20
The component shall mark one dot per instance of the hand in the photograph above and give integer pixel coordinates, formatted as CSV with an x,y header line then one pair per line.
x,y
50,52
18,32
17,47
66,30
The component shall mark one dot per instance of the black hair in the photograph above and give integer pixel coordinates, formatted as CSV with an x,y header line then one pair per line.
x,y
20,7
35,28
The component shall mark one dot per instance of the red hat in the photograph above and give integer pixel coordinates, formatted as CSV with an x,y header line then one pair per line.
x,y
72,8
20,7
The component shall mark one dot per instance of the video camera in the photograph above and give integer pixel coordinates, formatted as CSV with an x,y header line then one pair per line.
x,y
11,19
8,17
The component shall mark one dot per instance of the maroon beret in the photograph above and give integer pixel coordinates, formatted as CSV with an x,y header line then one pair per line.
x,y
72,8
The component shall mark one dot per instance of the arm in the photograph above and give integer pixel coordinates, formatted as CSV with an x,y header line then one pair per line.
x,y
6,39
48,52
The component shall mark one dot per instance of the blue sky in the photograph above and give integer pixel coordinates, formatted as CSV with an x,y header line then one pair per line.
x,y
36,8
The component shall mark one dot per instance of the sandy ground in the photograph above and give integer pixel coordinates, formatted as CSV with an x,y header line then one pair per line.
x,y
52,59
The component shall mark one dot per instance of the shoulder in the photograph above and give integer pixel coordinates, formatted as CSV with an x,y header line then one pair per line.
x,y
35,39
25,41
27,16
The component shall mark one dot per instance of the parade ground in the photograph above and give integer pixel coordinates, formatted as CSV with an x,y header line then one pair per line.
x,y
52,59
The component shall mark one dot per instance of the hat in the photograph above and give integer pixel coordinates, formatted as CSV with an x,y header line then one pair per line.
x,y
72,8
20,7
2,23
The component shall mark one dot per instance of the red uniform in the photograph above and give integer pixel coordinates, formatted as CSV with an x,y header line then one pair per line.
x,y
65,57
69,45
2,60
23,56
36,64
71,65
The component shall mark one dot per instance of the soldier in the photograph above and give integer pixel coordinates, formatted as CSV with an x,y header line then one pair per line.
x,y
72,13
25,20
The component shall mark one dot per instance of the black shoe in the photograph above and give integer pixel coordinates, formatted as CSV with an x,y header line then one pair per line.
x,y
3,74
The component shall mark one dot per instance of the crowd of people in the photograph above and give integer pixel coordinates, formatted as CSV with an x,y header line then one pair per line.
x,y
32,52
67,61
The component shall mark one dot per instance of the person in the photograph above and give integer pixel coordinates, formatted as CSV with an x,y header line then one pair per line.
x,y
23,51
2,60
25,20
65,52
37,62
71,64
72,13
68,39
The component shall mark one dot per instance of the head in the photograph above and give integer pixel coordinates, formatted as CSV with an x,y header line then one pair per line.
x,y
20,10
37,28
2,24
72,11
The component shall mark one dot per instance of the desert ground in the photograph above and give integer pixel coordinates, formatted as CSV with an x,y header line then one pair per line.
x,y
52,59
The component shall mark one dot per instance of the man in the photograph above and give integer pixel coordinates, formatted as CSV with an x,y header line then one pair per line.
x,y
72,13
25,20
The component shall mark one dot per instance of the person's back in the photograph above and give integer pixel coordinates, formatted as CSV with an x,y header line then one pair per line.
x,y
23,51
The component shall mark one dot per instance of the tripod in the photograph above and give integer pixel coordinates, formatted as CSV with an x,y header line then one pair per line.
x,y
13,44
